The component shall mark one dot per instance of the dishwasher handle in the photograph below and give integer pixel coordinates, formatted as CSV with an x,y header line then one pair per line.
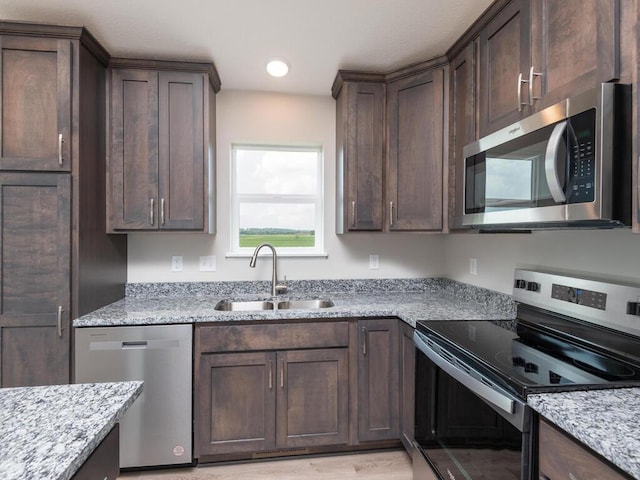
x,y
141,345
111,345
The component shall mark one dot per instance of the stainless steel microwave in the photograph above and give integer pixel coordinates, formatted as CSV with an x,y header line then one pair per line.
x,y
567,166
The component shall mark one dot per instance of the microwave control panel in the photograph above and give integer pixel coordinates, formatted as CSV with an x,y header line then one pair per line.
x,y
581,178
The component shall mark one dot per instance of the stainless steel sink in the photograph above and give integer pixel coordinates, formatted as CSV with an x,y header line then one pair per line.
x,y
243,306
256,305
306,304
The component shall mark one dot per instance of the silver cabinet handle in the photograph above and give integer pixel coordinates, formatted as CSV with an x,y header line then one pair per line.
x,y
270,375
532,74
391,214
282,374
152,219
59,320
60,143
353,213
162,211
364,341
520,82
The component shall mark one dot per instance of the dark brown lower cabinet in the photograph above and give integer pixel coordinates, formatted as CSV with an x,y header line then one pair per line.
x,y
35,241
407,386
261,401
560,457
378,380
103,464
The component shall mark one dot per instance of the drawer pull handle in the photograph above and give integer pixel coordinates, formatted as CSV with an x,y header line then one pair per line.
x,y
60,154
59,320
364,341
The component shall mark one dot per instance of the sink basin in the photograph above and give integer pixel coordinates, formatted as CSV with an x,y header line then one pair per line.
x,y
307,304
254,305
243,306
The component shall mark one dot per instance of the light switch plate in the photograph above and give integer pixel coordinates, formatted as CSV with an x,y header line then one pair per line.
x,y
374,262
208,263
176,263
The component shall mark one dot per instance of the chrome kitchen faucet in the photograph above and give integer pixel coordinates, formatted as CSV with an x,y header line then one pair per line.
x,y
275,288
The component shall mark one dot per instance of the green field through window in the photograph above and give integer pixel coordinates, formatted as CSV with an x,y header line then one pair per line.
x,y
279,240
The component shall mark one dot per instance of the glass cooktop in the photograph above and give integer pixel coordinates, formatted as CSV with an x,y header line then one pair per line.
x,y
536,359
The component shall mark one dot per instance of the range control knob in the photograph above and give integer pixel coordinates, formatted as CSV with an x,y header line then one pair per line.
x,y
533,286
520,284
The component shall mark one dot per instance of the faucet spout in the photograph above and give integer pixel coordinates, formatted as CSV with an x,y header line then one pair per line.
x,y
275,288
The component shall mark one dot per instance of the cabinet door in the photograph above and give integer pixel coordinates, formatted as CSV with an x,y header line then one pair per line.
x,y
360,171
378,380
408,386
235,403
181,153
462,122
35,105
504,50
561,457
133,162
313,398
575,46
35,246
415,112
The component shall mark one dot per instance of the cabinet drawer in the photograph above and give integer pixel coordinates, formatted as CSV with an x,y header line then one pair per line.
x,y
562,458
234,338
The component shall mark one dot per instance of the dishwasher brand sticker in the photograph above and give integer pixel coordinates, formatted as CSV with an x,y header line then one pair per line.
x,y
178,450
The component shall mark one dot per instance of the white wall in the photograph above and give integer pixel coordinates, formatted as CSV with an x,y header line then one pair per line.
x,y
604,253
281,119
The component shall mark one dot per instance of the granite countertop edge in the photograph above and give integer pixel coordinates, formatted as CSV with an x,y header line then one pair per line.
x,y
49,432
606,421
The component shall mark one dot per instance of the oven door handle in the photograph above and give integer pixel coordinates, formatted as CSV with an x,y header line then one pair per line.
x,y
500,400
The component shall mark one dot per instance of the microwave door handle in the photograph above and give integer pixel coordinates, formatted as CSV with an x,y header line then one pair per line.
x,y
484,391
551,164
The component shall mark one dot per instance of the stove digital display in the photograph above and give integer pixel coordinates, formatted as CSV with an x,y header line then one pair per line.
x,y
579,296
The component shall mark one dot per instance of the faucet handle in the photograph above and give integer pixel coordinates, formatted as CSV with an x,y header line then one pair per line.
x,y
282,287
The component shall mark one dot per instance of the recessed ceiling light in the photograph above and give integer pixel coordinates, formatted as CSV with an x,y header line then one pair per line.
x,y
277,67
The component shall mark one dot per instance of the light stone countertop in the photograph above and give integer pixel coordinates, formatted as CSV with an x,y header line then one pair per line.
x,y
426,299
607,421
48,432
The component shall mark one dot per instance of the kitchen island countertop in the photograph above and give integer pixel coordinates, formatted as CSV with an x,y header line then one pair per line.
x,y
48,432
607,421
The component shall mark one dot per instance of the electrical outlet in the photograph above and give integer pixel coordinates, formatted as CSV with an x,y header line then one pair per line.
x,y
208,263
374,262
176,263
473,266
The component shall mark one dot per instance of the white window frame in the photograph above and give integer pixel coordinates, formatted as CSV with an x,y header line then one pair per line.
x,y
316,199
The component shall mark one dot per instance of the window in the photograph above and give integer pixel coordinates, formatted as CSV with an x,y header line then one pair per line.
x,y
276,197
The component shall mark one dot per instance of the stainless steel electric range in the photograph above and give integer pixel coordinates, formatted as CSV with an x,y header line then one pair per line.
x,y
473,377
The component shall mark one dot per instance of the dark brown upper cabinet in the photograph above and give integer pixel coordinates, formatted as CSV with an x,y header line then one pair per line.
x,y
415,124
462,122
534,53
162,132
360,155
505,58
574,46
35,105
389,149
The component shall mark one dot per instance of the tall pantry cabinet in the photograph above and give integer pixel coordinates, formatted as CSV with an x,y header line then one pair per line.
x,y
56,260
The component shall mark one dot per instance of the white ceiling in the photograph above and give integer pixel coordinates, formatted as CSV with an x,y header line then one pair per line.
x,y
317,37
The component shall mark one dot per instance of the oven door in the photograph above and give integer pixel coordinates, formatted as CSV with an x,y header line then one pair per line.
x,y
467,427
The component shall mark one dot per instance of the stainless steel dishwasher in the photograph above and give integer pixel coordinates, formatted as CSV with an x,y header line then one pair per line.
x,y
156,430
